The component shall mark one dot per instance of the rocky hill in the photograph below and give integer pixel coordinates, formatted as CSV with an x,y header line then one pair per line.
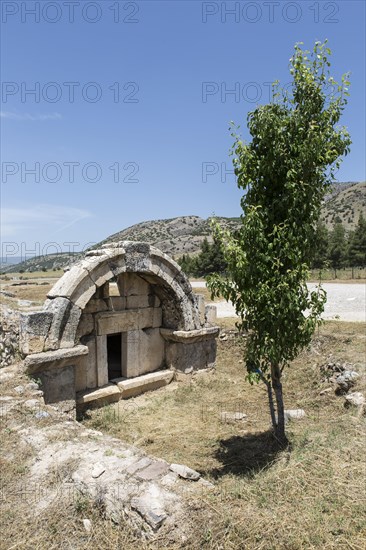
x,y
184,235
347,201
175,236
47,262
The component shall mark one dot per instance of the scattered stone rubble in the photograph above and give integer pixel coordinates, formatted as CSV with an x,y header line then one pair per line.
x,y
294,414
356,399
343,378
9,335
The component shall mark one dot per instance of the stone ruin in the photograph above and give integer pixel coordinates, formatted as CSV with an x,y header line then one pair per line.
x,y
122,321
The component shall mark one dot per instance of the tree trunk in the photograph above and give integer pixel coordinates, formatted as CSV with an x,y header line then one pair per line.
x,y
277,388
271,406
270,399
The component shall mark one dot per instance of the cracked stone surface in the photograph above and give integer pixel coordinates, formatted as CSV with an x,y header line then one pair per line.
x,y
67,460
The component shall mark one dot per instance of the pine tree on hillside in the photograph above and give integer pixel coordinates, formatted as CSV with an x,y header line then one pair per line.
x,y
338,245
321,246
357,248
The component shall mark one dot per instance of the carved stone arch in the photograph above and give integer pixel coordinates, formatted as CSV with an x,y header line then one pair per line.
x,y
68,344
76,288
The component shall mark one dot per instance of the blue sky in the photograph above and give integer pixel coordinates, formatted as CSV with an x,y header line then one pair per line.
x,y
123,126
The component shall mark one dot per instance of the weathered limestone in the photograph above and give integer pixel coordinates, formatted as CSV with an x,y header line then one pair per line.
x,y
107,394
210,316
57,372
185,472
141,384
54,359
102,360
86,373
113,322
201,308
85,326
144,352
117,303
59,386
131,285
188,351
34,329
155,322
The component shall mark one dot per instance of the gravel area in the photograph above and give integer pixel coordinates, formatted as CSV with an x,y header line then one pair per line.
x,y
346,302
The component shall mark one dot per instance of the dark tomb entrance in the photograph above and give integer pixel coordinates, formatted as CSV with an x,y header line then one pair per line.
x,y
114,353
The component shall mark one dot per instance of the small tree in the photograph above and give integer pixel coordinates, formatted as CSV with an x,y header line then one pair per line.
x,y
286,171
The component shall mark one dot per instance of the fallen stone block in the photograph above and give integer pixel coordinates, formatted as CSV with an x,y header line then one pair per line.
x,y
346,381
294,414
150,506
355,399
185,472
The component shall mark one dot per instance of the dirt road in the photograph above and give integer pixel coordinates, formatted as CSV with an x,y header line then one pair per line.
x,y
346,302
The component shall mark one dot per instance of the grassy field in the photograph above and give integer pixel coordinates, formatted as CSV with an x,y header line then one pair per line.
x,y
34,275
311,495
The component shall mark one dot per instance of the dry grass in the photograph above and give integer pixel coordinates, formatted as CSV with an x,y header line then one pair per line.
x,y
35,293
35,275
344,275
34,289
206,294
311,495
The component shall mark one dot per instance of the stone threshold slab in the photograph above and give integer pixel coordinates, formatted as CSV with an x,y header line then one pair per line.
x,y
123,388
130,387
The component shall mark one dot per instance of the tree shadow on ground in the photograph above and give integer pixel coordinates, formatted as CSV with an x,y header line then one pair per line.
x,y
246,455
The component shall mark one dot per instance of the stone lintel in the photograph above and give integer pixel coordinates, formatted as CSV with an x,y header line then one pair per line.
x,y
189,336
124,320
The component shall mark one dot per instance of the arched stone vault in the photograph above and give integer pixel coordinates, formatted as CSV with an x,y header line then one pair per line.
x,y
81,297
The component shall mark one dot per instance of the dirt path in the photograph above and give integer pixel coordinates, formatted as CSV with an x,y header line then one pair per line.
x,y
346,302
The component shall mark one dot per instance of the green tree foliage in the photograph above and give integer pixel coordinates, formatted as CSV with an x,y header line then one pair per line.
x,y
286,171
357,245
338,245
319,253
186,262
210,260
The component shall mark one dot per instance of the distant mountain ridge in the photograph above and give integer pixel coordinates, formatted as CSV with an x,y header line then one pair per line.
x,y
175,236
184,234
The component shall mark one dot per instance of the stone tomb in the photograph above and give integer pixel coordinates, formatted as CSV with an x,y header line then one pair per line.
x,y
121,321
